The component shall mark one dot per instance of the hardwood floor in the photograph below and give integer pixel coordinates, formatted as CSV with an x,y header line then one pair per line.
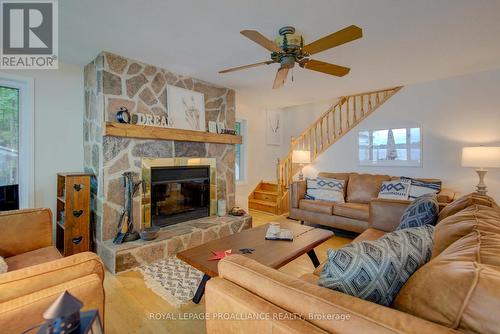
x,y
131,307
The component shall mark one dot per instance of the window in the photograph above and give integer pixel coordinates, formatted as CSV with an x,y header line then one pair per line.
x,y
390,147
16,141
9,136
240,156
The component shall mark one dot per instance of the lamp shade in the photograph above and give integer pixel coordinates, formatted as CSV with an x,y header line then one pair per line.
x,y
481,157
301,157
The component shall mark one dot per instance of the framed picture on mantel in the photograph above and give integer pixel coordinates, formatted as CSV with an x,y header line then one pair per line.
x,y
185,109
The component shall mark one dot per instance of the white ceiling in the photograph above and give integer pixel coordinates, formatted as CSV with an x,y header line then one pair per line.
x,y
405,41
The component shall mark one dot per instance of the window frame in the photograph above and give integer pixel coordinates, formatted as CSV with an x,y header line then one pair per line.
x,y
243,153
393,163
26,163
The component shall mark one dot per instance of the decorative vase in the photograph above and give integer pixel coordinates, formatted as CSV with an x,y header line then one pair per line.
x,y
221,207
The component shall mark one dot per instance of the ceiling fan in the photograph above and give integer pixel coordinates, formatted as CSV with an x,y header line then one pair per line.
x,y
289,49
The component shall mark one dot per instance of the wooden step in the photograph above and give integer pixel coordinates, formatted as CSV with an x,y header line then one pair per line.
x,y
270,196
260,205
269,186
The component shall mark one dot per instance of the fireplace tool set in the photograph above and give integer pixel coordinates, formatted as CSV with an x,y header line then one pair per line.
x,y
125,230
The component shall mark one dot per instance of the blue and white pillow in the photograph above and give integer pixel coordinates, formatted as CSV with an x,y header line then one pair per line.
x,y
422,211
419,188
377,270
395,189
325,189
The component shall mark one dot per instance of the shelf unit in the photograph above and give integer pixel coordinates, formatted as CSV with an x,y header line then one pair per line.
x,y
73,217
152,132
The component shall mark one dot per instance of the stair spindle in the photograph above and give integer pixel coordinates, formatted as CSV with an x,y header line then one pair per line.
x,y
355,111
328,128
340,120
348,114
362,106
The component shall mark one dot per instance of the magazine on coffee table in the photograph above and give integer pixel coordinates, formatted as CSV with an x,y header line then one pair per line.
x,y
281,234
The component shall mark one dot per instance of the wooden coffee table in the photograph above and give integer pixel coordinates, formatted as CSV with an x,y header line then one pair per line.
x,y
271,253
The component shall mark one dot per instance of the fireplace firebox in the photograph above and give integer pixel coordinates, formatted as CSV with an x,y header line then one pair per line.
x,y
179,193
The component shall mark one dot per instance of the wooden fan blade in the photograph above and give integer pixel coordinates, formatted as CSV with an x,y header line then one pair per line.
x,y
327,68
281,75
260,39
337,38
246,66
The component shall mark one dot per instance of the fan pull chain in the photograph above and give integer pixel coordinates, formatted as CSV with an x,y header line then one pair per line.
x,y
292,74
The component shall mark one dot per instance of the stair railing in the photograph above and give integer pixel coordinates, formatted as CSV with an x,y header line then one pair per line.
x,y
332,125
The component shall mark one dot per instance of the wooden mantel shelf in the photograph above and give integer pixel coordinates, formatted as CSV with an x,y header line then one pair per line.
x,y
157,133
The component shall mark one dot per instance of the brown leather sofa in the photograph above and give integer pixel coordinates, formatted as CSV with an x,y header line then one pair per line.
x,y
37,273
458,291
354,214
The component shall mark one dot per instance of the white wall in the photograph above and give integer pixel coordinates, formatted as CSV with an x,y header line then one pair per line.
x,y
261,158
453,113
58,127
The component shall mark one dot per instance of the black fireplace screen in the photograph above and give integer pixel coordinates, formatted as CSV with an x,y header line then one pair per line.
x,y
179,194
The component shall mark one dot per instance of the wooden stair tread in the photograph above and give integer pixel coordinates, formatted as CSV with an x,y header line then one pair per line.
x,y
261,202
267,192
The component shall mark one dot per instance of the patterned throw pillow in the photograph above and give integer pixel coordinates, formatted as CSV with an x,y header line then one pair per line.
x,y
3,266
325,189
376,270
424,210
395,189
419,188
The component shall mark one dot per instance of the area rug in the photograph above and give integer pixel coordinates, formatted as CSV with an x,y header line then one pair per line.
x,y
173,280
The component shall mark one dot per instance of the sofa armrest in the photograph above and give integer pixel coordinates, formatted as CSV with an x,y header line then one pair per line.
x,y
297,192
18,283
19,314
385,214
25,230
285,291
223,297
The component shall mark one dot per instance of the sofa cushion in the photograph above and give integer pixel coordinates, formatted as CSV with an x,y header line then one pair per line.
x,y
464,202
455,227
423,210
357,211
325,189
32,258
421,187
361,188
376,270
395,189
316,206
338,176
459,287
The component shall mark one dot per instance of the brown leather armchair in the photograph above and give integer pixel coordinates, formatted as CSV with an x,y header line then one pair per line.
x,y
37,273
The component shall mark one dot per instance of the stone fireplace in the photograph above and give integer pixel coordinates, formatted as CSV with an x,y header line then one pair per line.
x,y
111,82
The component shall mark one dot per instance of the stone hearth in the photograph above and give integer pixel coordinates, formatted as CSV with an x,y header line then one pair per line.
x,y
112,81
171,240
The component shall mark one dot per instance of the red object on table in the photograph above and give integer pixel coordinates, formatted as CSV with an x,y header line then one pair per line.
x,y
220,254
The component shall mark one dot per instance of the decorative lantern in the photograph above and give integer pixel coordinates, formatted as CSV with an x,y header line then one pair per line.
x,y
64,317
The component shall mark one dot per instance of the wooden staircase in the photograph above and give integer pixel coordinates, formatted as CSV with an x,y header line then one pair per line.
x,y
332,125
264,198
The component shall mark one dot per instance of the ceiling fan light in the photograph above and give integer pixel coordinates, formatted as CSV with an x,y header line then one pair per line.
x,y
293,41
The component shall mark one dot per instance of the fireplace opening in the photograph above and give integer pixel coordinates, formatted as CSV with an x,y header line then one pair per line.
x,y
179,194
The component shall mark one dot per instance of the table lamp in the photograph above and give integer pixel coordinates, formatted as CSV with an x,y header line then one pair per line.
x,y
302,158
481,157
